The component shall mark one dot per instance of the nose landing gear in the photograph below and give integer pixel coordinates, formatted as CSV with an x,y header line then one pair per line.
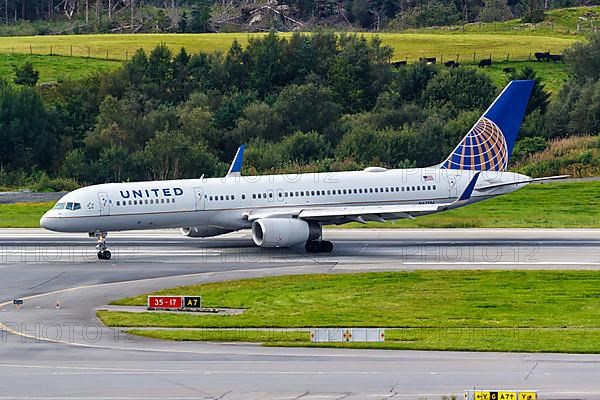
x,y
103,252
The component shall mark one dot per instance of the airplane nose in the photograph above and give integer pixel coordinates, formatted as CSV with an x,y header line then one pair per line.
x,y
48,222
44,221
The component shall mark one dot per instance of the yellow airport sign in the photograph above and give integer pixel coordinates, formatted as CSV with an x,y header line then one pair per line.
x,y
500,395
481,396
527,396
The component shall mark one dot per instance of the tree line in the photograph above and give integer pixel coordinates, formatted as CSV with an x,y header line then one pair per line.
x,y
226,15
311,103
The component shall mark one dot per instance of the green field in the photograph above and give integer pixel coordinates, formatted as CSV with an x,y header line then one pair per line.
x,y
409,46
551,205
75,56
564,22
55,68
23,215
458,310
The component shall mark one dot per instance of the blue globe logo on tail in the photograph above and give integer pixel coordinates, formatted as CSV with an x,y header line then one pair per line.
x,y
489,144
483,149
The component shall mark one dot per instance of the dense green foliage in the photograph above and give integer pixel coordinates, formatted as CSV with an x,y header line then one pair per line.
x,y
311,103
42,17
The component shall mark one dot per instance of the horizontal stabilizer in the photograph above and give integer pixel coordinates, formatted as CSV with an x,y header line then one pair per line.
x,y
497,185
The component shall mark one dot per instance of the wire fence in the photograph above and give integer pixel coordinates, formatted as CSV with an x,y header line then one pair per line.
x,y
476,57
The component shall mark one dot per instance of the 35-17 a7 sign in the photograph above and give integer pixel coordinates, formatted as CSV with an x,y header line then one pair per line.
x,y
165,302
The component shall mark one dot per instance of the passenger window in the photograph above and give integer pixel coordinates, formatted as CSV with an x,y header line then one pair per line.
x,y
151,201
173,200
296,194
118,203
408,188
355,191
129,202
376,190
232,197
270,195
146,201
254,195
135,202
413,188
433,187
162,201
428,187
221,197
243,197
226,197
403,188
370,190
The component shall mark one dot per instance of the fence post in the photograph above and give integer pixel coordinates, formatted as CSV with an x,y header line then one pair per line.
x,y
30,49
473,56
71,51
507,56
126,55
107,54
88,52
50,49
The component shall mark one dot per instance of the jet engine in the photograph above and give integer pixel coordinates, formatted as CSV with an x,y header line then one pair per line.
x,y
284,232
204,231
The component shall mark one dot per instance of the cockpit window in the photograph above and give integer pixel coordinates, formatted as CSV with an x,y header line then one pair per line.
x,y
76,206
59,206
69,206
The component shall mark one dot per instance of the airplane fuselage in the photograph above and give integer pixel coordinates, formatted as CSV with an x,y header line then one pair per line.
x,y
227,203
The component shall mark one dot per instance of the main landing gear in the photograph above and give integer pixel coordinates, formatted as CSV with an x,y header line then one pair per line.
x,y
318,246
103,252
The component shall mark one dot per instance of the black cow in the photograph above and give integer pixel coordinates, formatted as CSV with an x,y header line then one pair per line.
x,y
509,70
557,57
545,56
428,60
486,62
451,64
398,64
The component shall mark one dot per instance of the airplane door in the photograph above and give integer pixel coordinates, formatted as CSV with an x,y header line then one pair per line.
x,y
199,198
104,203
453,186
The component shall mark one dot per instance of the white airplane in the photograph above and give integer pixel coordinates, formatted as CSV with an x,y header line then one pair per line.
x,y
284,210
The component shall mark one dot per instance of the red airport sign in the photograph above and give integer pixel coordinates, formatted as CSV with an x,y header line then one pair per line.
x,y
165,302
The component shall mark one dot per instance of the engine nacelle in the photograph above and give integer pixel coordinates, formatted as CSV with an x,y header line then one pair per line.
x,y
284,232
204,231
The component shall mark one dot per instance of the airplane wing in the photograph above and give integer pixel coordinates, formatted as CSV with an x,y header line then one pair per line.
x,y
363,213
497,185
